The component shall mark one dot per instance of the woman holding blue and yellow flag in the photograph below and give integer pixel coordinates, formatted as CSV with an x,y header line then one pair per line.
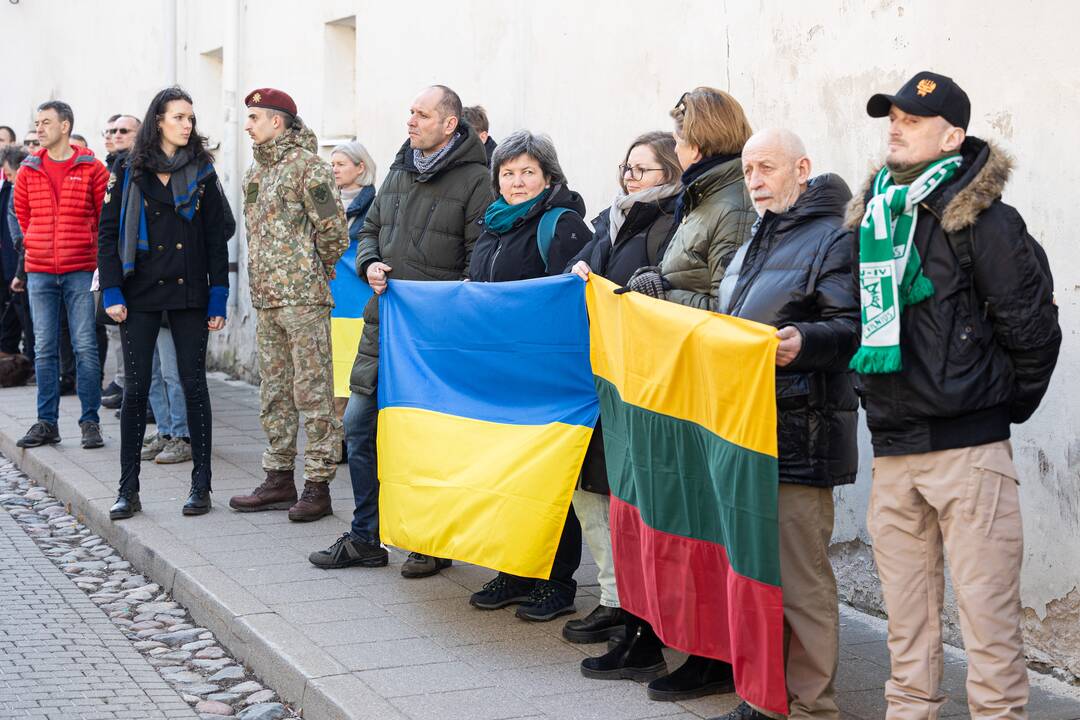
x,y
354,175
534,228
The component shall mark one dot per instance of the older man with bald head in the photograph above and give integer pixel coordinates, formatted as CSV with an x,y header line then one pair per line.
x,y
795,273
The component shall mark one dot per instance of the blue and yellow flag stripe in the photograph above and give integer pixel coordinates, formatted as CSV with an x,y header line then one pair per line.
x,y
486,407
350,294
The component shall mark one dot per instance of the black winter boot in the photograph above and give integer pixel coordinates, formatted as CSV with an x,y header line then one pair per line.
x,y
697,677
638,657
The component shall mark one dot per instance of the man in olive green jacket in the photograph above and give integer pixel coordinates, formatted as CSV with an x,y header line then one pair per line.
x,y
421,226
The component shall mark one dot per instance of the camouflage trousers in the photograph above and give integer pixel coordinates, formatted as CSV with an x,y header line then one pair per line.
x,y
296,366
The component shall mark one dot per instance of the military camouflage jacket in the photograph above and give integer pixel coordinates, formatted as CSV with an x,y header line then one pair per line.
x,y
296,229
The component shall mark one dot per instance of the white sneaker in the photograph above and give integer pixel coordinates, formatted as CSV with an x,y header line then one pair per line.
x,y
152,446
176,451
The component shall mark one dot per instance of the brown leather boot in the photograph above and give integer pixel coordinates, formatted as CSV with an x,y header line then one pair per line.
x,y
314,503
277,492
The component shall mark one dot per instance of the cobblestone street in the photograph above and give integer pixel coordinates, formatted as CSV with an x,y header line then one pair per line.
x,y
61,658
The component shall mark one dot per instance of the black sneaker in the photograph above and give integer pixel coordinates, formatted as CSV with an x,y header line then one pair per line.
x,y
40,433
502,591
91,435
743,712
346,551
112,396
548,600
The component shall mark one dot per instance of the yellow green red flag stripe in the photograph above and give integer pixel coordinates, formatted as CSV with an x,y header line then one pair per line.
x,y
689,414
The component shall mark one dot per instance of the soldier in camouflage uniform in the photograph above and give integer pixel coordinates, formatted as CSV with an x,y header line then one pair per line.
x,y
296,232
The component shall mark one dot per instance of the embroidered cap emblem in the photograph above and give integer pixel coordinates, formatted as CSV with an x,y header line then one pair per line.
x,y
925,87
256,98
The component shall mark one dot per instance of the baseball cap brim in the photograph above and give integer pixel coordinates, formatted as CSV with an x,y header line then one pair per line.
x,y
880,104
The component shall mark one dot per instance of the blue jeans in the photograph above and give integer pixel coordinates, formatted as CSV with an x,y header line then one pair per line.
x,y
166,392
361,418
48,293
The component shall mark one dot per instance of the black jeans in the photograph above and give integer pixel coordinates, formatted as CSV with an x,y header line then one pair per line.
x,y
138,335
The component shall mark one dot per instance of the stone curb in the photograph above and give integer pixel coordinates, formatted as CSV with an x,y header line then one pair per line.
x,y
297,669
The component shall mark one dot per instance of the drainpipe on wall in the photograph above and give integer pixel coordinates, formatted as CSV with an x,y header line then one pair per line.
x,y
230,143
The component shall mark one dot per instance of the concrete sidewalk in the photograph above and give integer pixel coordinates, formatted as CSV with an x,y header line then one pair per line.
x,y
366,643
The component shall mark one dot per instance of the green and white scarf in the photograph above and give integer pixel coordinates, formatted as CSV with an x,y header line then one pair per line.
x,y
890,269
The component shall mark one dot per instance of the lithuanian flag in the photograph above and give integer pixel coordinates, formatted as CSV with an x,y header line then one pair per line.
x,y
486,407
347,318
689,409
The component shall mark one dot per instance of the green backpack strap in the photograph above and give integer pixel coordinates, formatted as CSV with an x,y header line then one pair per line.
x,y
546,232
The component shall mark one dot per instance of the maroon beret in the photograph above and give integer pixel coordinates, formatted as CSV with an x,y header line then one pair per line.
x,y
271,99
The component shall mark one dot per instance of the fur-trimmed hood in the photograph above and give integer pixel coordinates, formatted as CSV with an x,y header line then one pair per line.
x,y
984,173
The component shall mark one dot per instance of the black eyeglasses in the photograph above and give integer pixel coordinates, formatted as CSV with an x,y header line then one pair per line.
x,y
636,171
32,143
116,131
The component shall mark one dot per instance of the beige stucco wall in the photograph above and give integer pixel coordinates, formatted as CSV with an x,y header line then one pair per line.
x,y
593,75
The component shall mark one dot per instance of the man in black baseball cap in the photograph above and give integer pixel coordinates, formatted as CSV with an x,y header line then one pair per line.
x,y
959,339
926,94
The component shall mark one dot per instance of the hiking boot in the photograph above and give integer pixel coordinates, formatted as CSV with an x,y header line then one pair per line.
x,y
176,450
348,551
639,656
112,396
91,435
153,445
126,505
421,566
599,625
314,502
40,433
198,502
277,492
697,678
503,590
547,601
743,712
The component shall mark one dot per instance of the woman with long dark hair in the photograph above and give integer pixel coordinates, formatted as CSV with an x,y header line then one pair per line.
x,y
161,249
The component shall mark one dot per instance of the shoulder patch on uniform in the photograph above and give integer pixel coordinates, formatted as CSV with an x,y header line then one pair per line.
x,y
326,204
252,193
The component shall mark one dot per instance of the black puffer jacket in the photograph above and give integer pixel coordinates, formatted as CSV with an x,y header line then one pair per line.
x,y
979,354
515,254
796,271
643,237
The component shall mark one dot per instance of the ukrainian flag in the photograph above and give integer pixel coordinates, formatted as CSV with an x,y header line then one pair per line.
x,y
486,406
347,318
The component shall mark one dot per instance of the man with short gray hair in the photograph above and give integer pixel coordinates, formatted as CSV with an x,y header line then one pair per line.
x,y
795,273
422,226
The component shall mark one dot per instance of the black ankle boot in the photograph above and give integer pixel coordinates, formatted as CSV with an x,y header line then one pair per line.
x,y
198,502
697,677
637,657
126,505
602,623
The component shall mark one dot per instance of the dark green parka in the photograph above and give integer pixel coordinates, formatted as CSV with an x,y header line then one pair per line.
x,y
423,225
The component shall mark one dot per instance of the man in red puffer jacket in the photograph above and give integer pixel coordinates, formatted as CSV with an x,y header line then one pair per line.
x,y
58,196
